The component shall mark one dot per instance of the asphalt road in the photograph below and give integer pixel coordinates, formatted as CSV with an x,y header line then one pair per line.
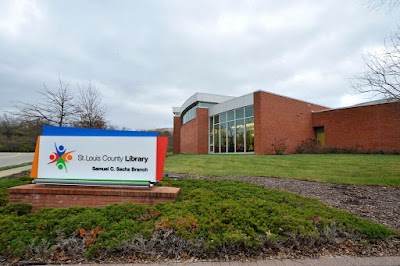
x,y
14,158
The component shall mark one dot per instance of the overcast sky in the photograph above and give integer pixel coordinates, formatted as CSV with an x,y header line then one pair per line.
x,y
148,56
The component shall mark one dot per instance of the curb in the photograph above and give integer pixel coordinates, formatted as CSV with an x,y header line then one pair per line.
x,y
325,261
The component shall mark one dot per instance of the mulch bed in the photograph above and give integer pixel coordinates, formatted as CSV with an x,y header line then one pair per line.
x,y
376,203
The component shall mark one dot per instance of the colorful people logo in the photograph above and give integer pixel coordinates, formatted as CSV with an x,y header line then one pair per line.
x,y
60,157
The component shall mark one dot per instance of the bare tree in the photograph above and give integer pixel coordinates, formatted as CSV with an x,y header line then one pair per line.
x,y
89,108
388,4
60,108
8,126
55,108
17,135
381,77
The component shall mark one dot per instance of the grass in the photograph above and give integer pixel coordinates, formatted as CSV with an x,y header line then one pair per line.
x,y
354,169
208,217
14,166
7,182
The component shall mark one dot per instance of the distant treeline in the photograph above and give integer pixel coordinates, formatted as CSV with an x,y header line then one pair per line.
x,y
17,135
167,133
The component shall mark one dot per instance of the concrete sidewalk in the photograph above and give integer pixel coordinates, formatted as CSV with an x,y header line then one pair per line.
x,y
325,261
13,171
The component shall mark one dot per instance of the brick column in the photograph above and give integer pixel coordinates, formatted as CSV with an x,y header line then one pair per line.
x,y
177,135
202,130
257,123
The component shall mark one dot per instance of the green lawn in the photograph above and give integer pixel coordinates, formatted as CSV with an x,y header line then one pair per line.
x,y
14,166
356,169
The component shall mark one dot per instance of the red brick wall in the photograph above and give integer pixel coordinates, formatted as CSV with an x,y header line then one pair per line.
x,y
177,135
194,134
202,128
189,137
278,117
40,196
375,127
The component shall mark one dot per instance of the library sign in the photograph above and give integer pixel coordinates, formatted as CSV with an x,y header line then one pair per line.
x,y
74,156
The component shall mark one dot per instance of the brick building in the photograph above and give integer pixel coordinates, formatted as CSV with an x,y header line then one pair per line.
x,y
252,123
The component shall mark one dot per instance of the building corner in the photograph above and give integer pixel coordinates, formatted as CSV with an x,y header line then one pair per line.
x,y
177,135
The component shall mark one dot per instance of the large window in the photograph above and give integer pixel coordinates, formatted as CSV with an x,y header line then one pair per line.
x,y
216,138
223,137
240,135
250,134
190,114
211,135
232,131
231,136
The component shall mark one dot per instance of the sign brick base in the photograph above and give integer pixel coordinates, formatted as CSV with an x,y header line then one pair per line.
x,y
40,196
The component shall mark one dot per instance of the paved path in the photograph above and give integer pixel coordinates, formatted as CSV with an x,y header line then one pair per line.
x,y
14,158
12,171
328,261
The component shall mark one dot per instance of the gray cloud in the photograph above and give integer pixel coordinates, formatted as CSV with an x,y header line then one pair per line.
x,y
147,56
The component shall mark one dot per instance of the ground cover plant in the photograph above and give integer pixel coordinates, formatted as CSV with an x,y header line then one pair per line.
x,y
11,182
354,169
210,219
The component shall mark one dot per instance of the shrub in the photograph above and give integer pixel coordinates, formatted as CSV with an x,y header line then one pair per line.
x,y
280,146
312,146
208,219
19,208
8,182
309,146
357,149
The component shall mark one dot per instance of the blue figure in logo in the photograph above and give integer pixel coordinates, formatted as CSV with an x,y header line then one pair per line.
x,y
60,150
